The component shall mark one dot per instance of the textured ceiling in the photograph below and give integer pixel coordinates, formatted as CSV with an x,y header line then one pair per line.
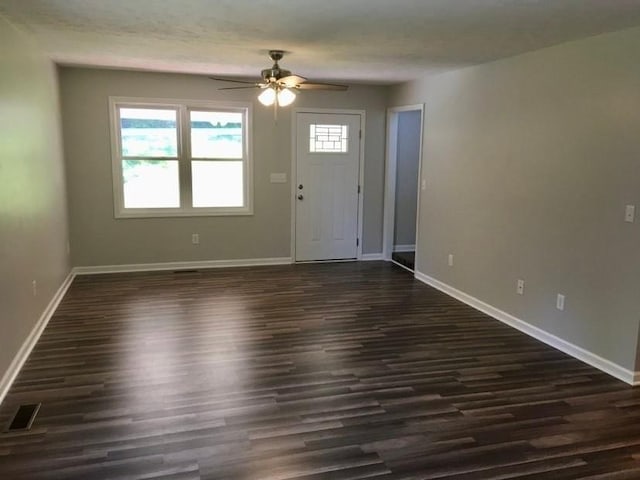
x,y
371,41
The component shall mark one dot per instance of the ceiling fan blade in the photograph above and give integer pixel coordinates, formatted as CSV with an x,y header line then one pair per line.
x,y
292,81
322,86
238,88
233,80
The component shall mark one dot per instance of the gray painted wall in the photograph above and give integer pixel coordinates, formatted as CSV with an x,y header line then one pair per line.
x,y
529,164
33,215
407,165
99,239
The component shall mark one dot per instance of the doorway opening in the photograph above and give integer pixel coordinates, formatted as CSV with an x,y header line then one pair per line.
x,y
404,153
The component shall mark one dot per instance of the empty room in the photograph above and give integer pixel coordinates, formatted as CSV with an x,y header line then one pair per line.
x,y
295,240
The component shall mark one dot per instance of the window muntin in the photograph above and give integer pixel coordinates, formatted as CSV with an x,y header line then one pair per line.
x,y
180,159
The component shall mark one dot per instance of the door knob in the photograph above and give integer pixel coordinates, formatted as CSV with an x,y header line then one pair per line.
x,y
300,196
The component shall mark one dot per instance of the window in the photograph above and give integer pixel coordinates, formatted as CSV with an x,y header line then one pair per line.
x,y
328,138
174,158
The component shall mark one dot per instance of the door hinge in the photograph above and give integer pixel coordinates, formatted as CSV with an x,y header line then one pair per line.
x,y
360,134
357,242
358,188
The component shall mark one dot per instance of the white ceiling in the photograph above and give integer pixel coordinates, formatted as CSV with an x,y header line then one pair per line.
x,y
370,41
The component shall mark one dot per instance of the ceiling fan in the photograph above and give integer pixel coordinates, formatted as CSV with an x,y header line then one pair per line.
x,y
279,85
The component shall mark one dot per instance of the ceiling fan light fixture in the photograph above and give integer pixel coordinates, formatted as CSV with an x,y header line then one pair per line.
x,y
267,97
285,97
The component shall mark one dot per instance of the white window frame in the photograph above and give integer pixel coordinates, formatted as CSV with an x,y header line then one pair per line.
x,y
183,107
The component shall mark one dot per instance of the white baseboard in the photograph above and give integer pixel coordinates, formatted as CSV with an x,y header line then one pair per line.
x,y
367,257
404,248
30,342
148,267
607,366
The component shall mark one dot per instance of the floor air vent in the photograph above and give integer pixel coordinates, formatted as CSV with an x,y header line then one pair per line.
x,y
24,417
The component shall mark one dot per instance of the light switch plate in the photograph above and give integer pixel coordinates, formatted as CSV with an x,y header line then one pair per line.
x,y
560,302
278,178
629,213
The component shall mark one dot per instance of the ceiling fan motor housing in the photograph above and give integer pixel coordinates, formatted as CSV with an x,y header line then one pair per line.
x,y
275,72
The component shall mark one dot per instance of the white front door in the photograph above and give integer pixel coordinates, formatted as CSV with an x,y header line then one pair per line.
x,y
327,169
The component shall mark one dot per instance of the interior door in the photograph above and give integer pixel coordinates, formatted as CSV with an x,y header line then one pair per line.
x,y
327,168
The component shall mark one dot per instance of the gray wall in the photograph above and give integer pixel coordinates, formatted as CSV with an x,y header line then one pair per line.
x,y
407,164
99,239
33,217
529,163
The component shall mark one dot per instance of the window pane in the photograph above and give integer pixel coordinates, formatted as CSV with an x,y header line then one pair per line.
x,y
217,184
147,132
151,183
216,135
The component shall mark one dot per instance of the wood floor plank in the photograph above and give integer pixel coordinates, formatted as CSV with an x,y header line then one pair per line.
x,y
324,371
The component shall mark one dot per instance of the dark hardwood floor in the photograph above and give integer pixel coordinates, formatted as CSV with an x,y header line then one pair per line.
x,y
338,371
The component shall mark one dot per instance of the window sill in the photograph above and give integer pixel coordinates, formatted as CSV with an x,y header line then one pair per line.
x,y
137,213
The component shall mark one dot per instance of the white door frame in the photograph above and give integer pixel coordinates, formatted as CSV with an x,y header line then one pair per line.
x,y
294,168
390,178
